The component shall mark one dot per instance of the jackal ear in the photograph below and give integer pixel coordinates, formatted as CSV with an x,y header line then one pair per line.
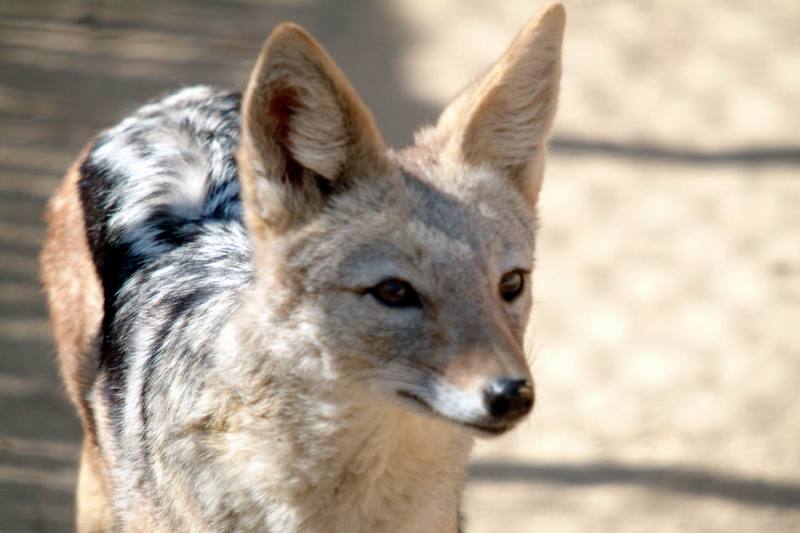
x,y
503,120
305,132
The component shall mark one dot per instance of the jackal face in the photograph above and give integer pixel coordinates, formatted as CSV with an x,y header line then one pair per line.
x,y
410,269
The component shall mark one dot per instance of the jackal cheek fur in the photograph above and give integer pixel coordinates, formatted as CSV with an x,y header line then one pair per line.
x,y
251,374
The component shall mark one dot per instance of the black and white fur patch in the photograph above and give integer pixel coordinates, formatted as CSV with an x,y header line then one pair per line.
x,y
163,216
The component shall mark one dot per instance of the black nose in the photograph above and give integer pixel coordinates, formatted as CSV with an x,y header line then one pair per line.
x,y
508,399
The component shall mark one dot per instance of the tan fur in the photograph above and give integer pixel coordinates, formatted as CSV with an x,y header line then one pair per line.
x,y
329,465
75,300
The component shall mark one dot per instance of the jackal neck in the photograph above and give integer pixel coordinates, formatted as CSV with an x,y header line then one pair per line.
x,y
325,454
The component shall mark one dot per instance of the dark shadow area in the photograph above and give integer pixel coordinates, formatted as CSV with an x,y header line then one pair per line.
x,y
93,83
672,479
23,416
32,507
578,147
69,68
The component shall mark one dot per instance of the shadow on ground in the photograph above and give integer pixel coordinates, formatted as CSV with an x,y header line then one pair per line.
x,y
668,478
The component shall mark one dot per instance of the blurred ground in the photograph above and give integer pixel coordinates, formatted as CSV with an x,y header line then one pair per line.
x,y
666,332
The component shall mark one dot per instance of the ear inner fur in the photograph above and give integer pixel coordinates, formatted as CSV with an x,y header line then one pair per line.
x,y
503,119
304,129
281,107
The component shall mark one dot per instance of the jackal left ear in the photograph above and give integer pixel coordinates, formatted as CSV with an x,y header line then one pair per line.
x,y
503,120
305,132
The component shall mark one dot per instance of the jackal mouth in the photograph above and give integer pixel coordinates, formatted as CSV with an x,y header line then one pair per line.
x,y
417,400
427,408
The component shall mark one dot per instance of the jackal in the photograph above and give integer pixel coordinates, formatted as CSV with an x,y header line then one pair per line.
x,y
269,321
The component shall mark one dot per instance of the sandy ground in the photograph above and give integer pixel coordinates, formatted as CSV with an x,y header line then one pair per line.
x,y
667,318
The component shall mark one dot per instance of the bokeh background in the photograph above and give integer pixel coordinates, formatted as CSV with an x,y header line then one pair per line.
x,y
666,329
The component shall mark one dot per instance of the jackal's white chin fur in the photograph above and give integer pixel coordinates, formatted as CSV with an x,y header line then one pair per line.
x,y
477,425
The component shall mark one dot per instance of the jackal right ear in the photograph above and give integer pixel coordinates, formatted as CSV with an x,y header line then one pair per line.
x,y
305,132
503,120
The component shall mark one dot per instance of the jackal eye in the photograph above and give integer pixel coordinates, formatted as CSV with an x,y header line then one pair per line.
x,y
395,293
511,285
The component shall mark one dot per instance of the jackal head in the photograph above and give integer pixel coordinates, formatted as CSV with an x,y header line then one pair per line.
x,y
407,273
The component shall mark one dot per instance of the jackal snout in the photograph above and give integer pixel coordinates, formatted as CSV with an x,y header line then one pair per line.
x,y
508,394
507,400
489,389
